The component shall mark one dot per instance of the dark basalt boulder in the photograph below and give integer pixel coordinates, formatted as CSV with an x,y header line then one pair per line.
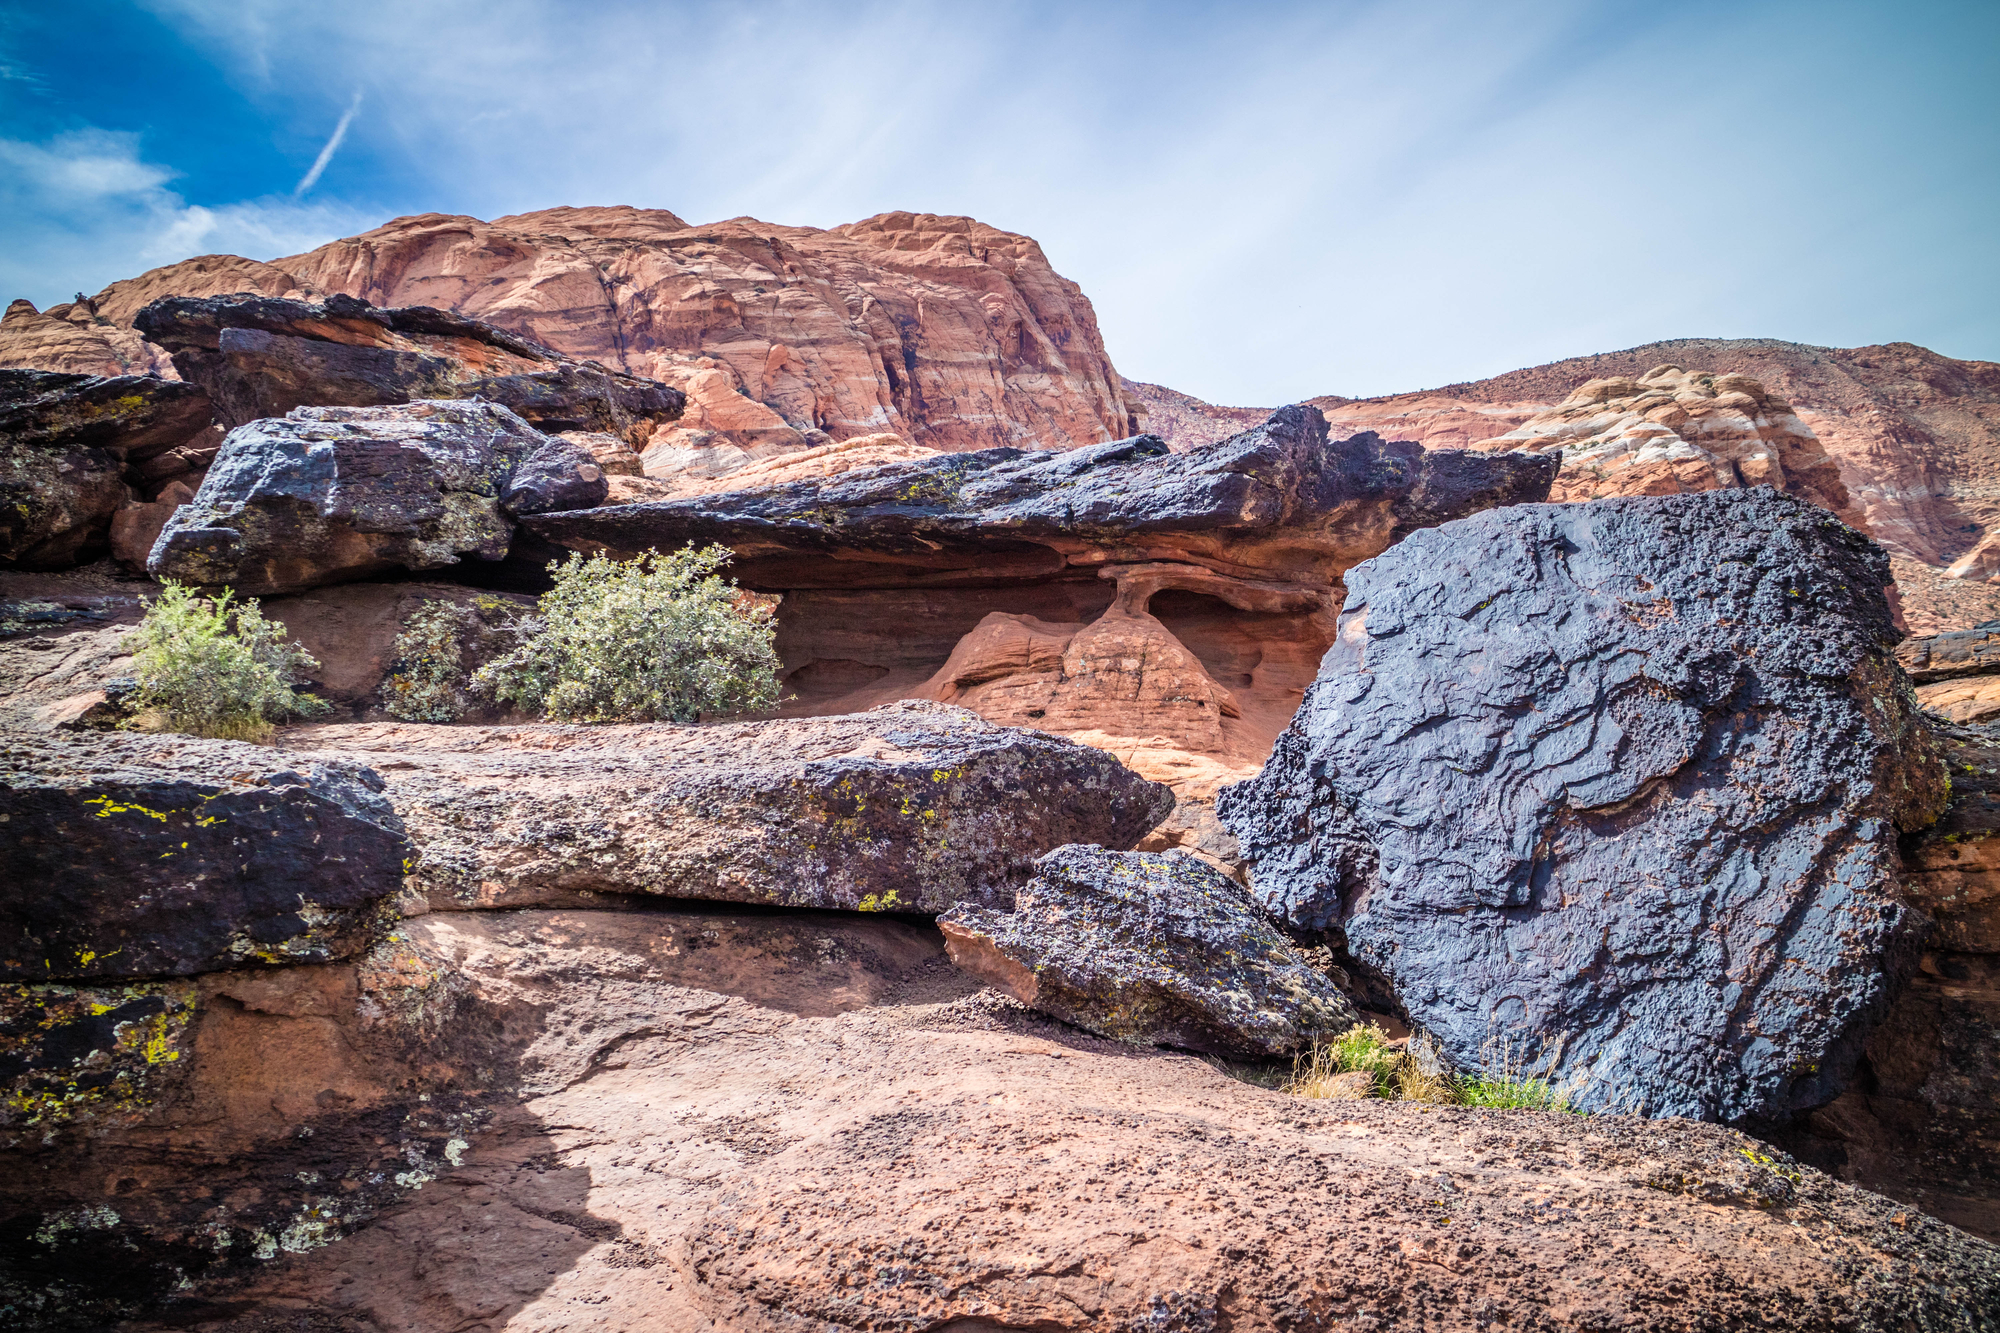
x,y
329,494
1277,502
1618,781
912,807
263,356
1150,948
65,442
144,857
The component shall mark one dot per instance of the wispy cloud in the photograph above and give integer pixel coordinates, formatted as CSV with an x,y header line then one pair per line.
x,y
311,178
86,208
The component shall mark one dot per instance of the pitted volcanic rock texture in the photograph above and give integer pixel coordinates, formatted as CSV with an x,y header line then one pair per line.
x,y
1619,781
329,494
153,856
1153,949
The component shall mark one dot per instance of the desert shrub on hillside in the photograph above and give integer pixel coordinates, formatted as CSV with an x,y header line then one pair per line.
x,y
215,667
660,637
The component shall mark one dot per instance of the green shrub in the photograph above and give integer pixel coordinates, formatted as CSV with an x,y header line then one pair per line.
x,y
657,637
1417,1073
217,668
426,681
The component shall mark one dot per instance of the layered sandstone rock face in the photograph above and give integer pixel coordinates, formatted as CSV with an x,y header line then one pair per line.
x,y
1915,436
943,331
1675,432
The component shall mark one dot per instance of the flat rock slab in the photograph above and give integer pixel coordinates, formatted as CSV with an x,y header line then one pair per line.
x,y
909,807
1150,948
141,856
262,356
1619,784
672,1146
1281,502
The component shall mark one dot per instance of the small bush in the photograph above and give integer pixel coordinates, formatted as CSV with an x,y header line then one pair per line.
x,y
658,637
1417,1073
426,681
217,668
1359,1050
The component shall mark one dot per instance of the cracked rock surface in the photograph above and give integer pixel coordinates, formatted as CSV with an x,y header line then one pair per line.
x,y
910,807
699,1120
1153,949
153,856
1619,784
329,494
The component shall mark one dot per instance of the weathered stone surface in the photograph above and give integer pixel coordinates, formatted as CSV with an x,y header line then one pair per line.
x,y
1921,1120
1623,776
261,356
1168,607
64,444
138,856
911,807
328,494
1153,949
1674,432
1280,501
135,527
704,1119
1966,652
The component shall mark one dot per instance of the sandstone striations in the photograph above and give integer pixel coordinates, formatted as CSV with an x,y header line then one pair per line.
x,y
944,331
1675,432
1619,783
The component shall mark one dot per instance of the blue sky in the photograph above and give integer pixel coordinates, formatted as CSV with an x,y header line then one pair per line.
x,y
1264,201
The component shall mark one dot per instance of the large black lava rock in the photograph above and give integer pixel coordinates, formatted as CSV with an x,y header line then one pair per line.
x,y
328,494
155,856
1617,785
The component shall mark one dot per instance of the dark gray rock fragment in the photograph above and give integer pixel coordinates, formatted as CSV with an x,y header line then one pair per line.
x,y
261,356
65,442
1150,948
329,494
1623,777
144,856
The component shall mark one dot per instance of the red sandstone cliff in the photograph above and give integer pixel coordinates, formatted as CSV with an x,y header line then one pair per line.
x,y
943,330
1915,437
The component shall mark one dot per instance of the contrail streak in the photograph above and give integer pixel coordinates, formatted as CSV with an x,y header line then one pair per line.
x,y
326,153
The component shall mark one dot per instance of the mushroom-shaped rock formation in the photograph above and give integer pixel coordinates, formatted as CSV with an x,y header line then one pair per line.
x,y
912,807
328,494
1168,607
1153,949
1620,782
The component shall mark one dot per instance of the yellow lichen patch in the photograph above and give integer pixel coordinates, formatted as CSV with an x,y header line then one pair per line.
x,y
107,807
129,1033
